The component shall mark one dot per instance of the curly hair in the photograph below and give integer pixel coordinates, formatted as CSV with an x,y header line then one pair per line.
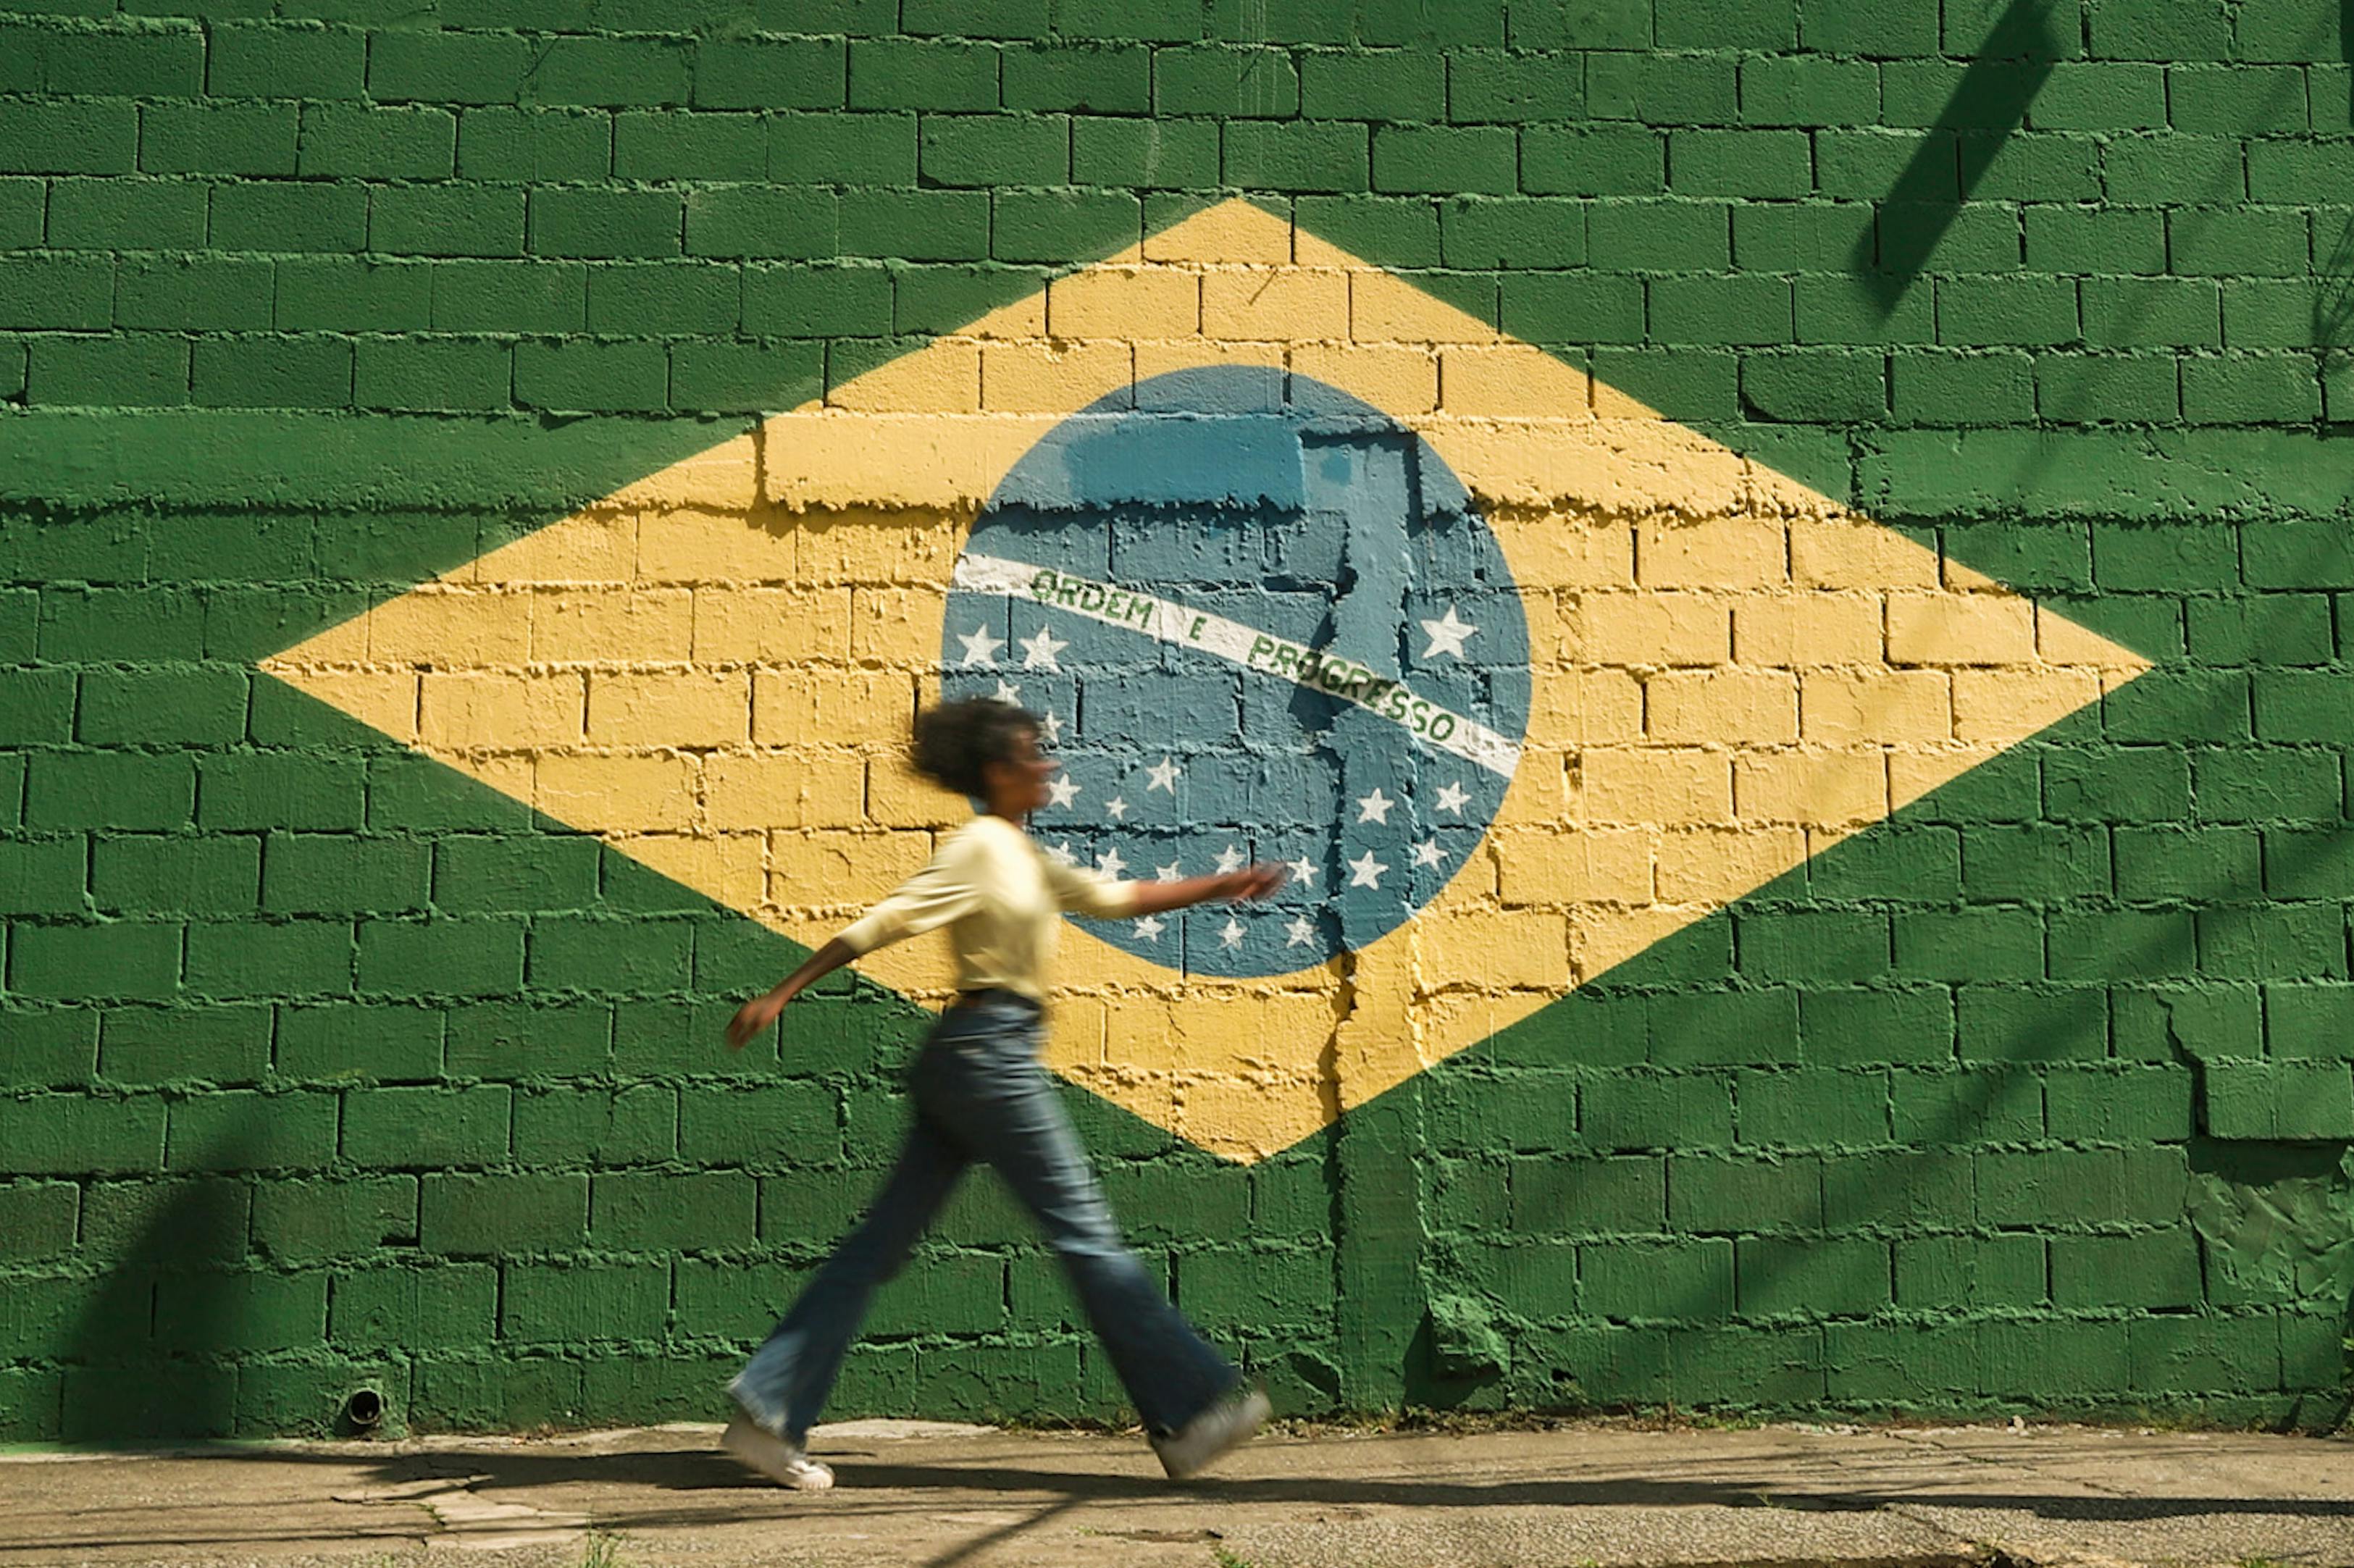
x,y
956,742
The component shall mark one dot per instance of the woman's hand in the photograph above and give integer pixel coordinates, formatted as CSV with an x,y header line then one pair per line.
x,y
755,1016
1231,887
1253,881
761,1010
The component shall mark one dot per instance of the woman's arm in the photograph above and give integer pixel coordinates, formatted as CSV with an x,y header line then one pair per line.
x,y
761,1010
1251,882
935,895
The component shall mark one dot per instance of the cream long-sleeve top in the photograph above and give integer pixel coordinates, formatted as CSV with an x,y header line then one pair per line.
x,y
1002,901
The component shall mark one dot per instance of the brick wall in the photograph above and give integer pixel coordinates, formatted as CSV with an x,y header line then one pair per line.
x,y
477,506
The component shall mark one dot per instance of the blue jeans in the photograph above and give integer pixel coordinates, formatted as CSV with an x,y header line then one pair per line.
x,y
980,1095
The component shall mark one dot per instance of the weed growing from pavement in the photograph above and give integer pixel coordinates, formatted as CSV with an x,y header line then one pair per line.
x,y
602,1551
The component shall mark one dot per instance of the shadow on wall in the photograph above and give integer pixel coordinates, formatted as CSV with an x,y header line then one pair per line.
x,y
1989,105
2333,294
146,1358
193,1333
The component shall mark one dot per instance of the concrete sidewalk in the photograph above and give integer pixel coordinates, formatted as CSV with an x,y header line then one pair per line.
x,y
1599,1493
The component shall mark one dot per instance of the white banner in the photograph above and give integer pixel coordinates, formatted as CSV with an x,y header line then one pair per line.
x,y
1171,621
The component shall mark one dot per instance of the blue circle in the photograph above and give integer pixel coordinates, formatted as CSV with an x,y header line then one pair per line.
x,y
1306,517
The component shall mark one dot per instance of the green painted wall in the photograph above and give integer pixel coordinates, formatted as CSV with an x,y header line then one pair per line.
x,y
322,1066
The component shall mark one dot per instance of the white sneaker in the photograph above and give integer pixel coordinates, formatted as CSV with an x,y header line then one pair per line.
x,y
1229,1423
786,1464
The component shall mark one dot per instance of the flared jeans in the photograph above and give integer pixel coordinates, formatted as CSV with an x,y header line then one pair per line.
x,y
981,1095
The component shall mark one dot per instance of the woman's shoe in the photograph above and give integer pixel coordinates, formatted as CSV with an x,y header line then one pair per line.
x,y
1194,1446
786,1464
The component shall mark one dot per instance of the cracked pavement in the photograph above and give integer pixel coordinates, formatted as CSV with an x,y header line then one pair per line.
x,y
1585,1495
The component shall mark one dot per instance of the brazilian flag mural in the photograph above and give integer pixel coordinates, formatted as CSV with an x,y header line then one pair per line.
x,y
1776,580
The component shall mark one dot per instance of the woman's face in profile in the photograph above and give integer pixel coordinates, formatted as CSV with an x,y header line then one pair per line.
x,y
1017,784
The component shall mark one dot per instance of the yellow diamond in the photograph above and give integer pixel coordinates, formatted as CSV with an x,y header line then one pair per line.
x,y
713,668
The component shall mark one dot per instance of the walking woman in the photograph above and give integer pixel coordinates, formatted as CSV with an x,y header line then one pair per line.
x,y
980,1095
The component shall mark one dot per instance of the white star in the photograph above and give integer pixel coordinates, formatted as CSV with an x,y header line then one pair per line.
x,y
1150,927
1007,693
1117,808
1061,854
1366,872
980,647
1064,789
1426,853
1110,863
1305,870
1164,776
1447,635
1375,807
1230,859
1167,873
1038,652
1299,933
1452,798
1230,935
1053,727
